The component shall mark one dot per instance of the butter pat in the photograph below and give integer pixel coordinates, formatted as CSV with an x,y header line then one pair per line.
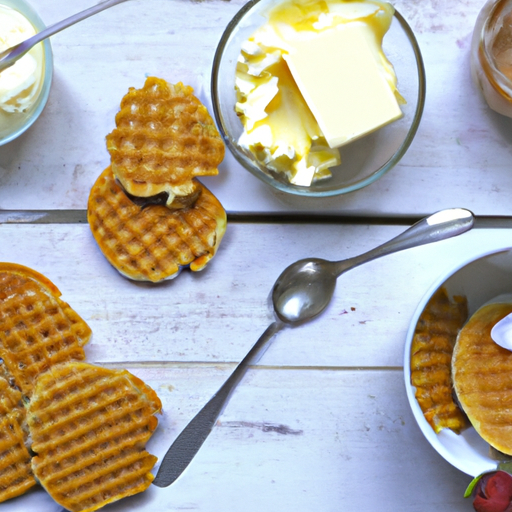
x,y
280,129
342,79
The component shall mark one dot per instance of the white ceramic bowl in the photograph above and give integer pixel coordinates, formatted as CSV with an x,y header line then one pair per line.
x,y
21,122
480,280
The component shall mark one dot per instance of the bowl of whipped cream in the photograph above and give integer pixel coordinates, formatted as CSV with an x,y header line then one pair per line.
x,y
25,86
318,97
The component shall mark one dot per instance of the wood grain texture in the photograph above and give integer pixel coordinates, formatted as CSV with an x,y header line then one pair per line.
x,y
322,420
216,315
460,156
294,440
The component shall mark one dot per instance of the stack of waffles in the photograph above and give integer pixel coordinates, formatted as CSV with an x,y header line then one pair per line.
x,y
147,211
88,425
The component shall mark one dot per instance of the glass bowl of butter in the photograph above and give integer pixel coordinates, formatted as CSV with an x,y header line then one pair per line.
x,y
25,86
318,97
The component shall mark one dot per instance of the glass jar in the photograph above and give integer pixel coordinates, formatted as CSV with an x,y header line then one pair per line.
x,y
491,55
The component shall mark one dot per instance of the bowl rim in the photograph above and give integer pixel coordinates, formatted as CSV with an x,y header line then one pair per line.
x,y
35,19
287,187
433,438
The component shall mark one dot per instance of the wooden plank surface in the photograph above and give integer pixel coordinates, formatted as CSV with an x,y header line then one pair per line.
x,y
216,315
322,421
324,440
460,156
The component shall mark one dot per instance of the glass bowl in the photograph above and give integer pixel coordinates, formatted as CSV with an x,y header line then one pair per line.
x,y
480,280
364,160
18,123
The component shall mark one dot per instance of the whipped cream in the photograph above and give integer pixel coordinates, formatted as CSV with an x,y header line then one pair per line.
x,y
21,83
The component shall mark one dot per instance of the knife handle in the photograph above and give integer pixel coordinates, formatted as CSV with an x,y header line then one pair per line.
x,y
187,444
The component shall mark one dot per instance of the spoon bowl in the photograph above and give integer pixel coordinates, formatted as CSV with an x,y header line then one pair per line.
x,y
304,289
501,333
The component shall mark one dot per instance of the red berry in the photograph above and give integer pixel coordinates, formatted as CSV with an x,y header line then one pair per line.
x,y
493,493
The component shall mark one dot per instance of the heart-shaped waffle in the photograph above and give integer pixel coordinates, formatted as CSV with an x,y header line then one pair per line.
x,y
37,328
153,243
164,137
89,427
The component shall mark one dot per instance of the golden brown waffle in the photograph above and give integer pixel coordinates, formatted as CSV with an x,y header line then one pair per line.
x,y
431,354
37,328
164,137
89,427
15,471
482,375
153,243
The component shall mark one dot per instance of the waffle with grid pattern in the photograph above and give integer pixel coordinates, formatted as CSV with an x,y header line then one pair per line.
x,y
89,428
482,376
153,243
37,328
431,355
164,137
15,470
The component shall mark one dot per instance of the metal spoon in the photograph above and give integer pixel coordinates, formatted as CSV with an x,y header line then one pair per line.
x,y
11,55
501,333
300,293
305,288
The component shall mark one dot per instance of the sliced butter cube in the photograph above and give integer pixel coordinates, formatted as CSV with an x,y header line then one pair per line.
x,y
342,79
304,175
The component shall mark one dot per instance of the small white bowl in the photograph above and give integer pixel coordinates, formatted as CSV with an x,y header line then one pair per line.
x,y
19,123
479,280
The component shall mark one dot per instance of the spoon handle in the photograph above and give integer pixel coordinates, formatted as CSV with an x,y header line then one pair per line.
x,y
187,444
439,226
11,55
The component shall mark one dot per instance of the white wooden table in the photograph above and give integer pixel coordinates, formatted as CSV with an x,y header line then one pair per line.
x,y
322,422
